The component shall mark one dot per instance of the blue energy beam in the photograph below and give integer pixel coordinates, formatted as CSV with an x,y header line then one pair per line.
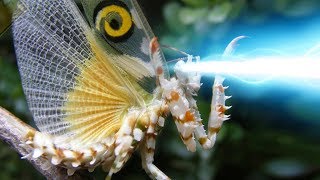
x,y
262,69
283,50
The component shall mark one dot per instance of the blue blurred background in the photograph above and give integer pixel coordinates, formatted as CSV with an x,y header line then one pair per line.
x,y
274,128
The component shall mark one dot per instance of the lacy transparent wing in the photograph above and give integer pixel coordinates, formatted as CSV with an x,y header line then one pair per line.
x,y
74,91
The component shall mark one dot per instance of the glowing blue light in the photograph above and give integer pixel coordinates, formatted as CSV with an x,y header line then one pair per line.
x,y
288,51
263,67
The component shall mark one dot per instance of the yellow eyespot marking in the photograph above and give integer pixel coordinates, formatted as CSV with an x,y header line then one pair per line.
x,y
106,14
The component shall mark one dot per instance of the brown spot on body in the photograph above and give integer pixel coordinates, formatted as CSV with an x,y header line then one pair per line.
x,y
203,140
78,155
93,152
159,70
154,45
214,129
59,153
143,123
188,116
132,121
221,109
175,95
150,150
30,135
186,138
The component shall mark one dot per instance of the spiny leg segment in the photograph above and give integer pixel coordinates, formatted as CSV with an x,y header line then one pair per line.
x,y
179,93
148,147
139,127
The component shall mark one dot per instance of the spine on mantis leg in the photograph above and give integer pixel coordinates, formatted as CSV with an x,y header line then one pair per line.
x,y
218,108
180,94
216,117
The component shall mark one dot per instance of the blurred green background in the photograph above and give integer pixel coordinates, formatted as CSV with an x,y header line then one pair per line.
x,y
274,128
